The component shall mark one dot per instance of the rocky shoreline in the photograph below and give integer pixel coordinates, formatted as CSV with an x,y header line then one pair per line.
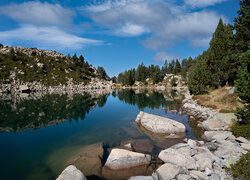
x,y
27,87
192,159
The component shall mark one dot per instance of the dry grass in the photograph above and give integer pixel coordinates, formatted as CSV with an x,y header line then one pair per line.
x,y
219,99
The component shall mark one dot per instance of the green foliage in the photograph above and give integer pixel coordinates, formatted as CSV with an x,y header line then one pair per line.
x,y
242,27
240,170
157,76
221,61
177,67
51,71
243,88
199,77
114,79
243,81
102,73
241,130
12,54
173,82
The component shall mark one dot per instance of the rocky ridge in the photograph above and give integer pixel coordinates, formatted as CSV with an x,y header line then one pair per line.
x,y
23,87
34,70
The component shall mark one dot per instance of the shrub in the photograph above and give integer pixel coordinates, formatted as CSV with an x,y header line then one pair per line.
x,y
240,170
173,82
241,130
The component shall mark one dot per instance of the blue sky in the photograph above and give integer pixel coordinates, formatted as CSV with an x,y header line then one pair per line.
x,y
115,34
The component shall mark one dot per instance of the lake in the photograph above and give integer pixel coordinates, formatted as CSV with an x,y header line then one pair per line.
x,y
39,133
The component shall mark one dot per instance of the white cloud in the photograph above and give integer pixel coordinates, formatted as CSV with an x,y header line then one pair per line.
x,y
164,24
162,56
37,13
202,3
45,37
129,29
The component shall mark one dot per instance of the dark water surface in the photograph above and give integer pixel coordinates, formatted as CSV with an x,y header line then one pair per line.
x,y
37,134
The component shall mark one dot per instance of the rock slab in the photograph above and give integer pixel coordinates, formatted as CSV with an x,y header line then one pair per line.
x,y
123,159
158,124
71,173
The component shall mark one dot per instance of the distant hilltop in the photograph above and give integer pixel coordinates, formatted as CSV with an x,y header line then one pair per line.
x,y
26,67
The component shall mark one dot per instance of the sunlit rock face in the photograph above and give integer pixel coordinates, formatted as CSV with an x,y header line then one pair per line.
x,y
161,125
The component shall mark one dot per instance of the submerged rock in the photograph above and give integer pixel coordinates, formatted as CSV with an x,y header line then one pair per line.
x,y
140,145
71,173
123,159
158,124
89,160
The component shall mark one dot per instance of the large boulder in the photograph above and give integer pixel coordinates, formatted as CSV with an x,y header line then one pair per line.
x,y
71,173
168,171
23,88
217,135
123,159
158,124
220,121
173,156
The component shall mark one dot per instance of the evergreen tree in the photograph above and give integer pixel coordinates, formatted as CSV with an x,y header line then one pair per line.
x,y
81,59
128,78
156,75
121,78
242,26
171,67
12,54
199,77
165,67
243,88
220,54
114,79
177,66
74,58
102,73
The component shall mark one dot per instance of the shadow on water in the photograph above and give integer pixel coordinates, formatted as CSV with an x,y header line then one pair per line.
x,y
50,109
109,118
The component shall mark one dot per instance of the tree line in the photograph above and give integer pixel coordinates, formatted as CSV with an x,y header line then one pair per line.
x,y
80,65
153,72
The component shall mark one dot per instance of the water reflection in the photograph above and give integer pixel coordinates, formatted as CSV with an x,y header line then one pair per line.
x,y
47,110
100,119
33,112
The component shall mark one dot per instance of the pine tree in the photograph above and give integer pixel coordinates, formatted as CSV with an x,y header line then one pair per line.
x,y
199,77
114,79
177,66
220,58
242,26
190,62
156,75
74,58
81,59
243,87
12,54
171,67
102,73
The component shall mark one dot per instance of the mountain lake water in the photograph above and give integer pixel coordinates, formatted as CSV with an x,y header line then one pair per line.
x,y
39,134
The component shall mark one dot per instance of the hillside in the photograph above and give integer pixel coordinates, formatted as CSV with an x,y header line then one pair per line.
x,y
50,68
